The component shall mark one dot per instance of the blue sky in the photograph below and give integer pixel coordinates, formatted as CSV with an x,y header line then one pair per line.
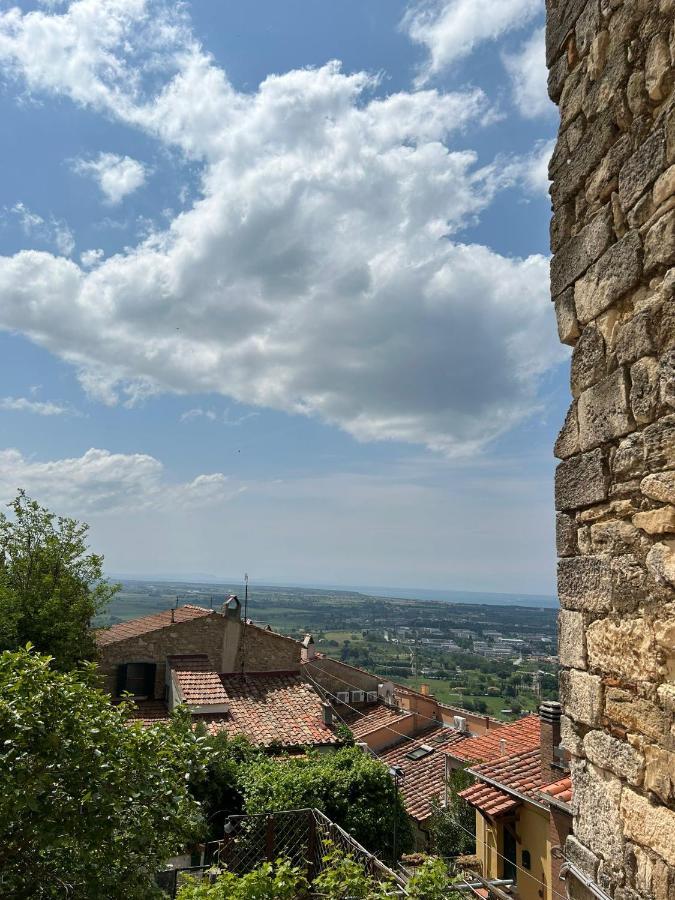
x,y
263,311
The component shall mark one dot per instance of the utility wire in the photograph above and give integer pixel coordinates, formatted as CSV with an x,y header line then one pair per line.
x,y
409,738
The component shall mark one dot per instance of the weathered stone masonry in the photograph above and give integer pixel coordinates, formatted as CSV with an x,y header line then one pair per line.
x,y
613,285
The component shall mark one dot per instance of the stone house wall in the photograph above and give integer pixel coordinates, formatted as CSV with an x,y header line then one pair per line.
x,y
613,286
217,636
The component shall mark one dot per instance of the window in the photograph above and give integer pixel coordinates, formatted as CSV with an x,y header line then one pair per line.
x,y
137,679
420,752
527,861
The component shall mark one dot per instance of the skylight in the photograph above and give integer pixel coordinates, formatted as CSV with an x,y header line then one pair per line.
x,y
420,752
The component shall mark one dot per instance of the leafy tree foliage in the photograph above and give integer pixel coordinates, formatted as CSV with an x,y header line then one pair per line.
x,y
50,586
91,805
350,787
280,881
217,785
453,826
342,878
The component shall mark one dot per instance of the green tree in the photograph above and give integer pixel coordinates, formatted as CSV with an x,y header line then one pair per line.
x,y
50,586
91,804
453,826
350,787
278,881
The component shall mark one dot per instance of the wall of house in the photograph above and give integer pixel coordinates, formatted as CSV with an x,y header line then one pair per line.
x,y
219,637
560,826
335,676
389,734
532,833
613,286
204,635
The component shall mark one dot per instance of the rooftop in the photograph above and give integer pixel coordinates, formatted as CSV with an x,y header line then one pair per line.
x,y
197,683
510,779
517,737
424,777
273,708
137,627
371,718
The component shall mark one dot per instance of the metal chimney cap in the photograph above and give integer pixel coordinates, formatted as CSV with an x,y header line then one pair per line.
x,y
550,711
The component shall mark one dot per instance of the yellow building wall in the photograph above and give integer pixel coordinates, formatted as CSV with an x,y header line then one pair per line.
x,y
531,828
532,831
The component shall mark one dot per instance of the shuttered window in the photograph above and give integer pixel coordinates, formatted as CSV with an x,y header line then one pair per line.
x,y
137,679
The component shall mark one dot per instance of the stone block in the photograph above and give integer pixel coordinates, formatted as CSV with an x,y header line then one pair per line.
x,y
660,773
658,69
629,457
638,337
615,273
560,22
649,825
570,738
584,583
659,441
556,77
565,535
644,390
567,442
581,481
581,857
571,639
660,243
581,251
603,411
561,225
581,695
636,714
661,562
597,797
589,364
642,169
605,178
628,581
666,379
656,521
660,487
566,318
664,188
624,648
618,757
613,536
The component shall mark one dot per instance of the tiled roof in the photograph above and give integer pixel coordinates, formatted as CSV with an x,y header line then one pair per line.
x,y
146,624
371,718
149,712
559,790
423,779
273,708
489,800
517,737
198,684
520,773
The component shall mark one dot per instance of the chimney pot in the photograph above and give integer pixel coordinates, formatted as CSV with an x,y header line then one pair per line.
x,y
550,713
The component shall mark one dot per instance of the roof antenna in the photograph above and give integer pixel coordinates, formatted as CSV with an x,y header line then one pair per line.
x,y
245,596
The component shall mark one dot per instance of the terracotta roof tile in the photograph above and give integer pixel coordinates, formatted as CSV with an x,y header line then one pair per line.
x,y
273,708
197,683
520,773
149,712
136,627
517,737
423,779
371,718
560,790
488,799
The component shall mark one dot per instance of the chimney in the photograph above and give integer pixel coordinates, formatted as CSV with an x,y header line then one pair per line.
x,y
327,714
549,719
232,607
307,650
424,690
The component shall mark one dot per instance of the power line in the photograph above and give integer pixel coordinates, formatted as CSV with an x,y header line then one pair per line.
x,y
409,738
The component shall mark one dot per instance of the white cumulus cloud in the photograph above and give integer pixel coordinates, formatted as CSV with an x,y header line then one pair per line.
x,y
451,29
51,231
528,73
117,176
100,481
321,271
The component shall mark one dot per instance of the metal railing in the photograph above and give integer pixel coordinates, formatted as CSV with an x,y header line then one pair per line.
x,y
301,836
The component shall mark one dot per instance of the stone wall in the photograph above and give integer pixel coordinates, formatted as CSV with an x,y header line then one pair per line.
x,y
219,637
613,286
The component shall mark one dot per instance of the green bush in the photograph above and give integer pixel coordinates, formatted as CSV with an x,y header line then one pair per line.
x,y
278,881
